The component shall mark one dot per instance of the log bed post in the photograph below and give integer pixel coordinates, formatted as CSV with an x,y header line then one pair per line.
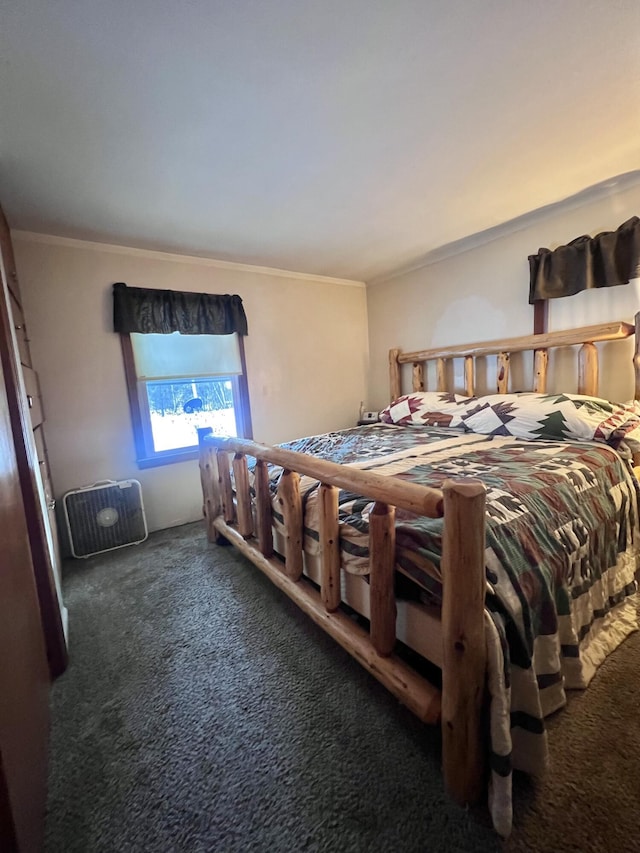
x,y
382,562
394,375
263,509
226,489
441,374
502,382
212,502
541,360
417,377
588,370
328,530
243,495
291,506
464,653
469,381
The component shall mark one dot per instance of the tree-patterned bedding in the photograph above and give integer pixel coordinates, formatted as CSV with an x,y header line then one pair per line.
x,y
562,551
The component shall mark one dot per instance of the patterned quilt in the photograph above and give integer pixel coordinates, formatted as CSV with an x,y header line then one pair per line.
x,y
562,554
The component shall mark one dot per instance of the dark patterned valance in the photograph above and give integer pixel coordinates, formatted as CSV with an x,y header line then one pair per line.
x,y
160,312
608,259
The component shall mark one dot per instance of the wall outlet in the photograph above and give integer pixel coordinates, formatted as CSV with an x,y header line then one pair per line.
x,y
370,416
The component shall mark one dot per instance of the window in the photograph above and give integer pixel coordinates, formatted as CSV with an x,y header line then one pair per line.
x,y
178,383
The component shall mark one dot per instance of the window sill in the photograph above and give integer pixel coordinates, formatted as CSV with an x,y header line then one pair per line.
x,y
168,458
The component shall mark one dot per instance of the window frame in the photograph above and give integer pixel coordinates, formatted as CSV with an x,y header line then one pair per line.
x,y
146,456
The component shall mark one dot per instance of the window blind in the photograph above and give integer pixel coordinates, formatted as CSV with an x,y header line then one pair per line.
x,y
179,356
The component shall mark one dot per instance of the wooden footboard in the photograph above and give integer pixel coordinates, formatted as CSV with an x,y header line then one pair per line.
x,y
460,642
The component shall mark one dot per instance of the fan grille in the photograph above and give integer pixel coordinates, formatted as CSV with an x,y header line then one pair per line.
x,y
101,518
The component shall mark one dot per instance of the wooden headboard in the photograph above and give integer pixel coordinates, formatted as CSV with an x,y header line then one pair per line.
x,y
585,337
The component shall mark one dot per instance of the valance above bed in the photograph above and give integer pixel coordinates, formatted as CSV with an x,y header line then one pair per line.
x,y
150,311
606,260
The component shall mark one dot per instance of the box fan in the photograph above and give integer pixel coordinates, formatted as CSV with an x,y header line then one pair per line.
x,y
104,516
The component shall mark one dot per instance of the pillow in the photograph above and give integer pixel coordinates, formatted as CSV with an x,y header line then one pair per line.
x,y
434,408
555,416
628,428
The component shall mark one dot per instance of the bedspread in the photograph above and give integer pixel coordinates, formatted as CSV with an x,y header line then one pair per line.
x,y
561,560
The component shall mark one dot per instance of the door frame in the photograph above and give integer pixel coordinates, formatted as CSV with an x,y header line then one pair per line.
x,y
30,484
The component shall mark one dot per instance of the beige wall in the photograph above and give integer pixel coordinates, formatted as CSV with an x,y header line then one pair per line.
x,y
482,294
306,358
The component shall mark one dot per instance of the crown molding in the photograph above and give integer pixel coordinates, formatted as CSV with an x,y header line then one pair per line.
x,y
611,186
75,243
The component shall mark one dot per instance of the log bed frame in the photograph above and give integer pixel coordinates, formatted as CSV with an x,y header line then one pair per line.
x,y
457,634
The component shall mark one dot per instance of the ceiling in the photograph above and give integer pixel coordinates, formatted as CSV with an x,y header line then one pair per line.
x,y
341,137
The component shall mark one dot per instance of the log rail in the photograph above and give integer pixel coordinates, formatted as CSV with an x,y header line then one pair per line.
x,y
246,523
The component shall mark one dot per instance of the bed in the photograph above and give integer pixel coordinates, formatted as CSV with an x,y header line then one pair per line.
x,y
496,536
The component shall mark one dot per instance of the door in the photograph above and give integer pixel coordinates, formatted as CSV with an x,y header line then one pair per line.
x,y
24,674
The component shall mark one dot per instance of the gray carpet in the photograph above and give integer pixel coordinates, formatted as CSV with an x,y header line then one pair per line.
x,y
202,712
